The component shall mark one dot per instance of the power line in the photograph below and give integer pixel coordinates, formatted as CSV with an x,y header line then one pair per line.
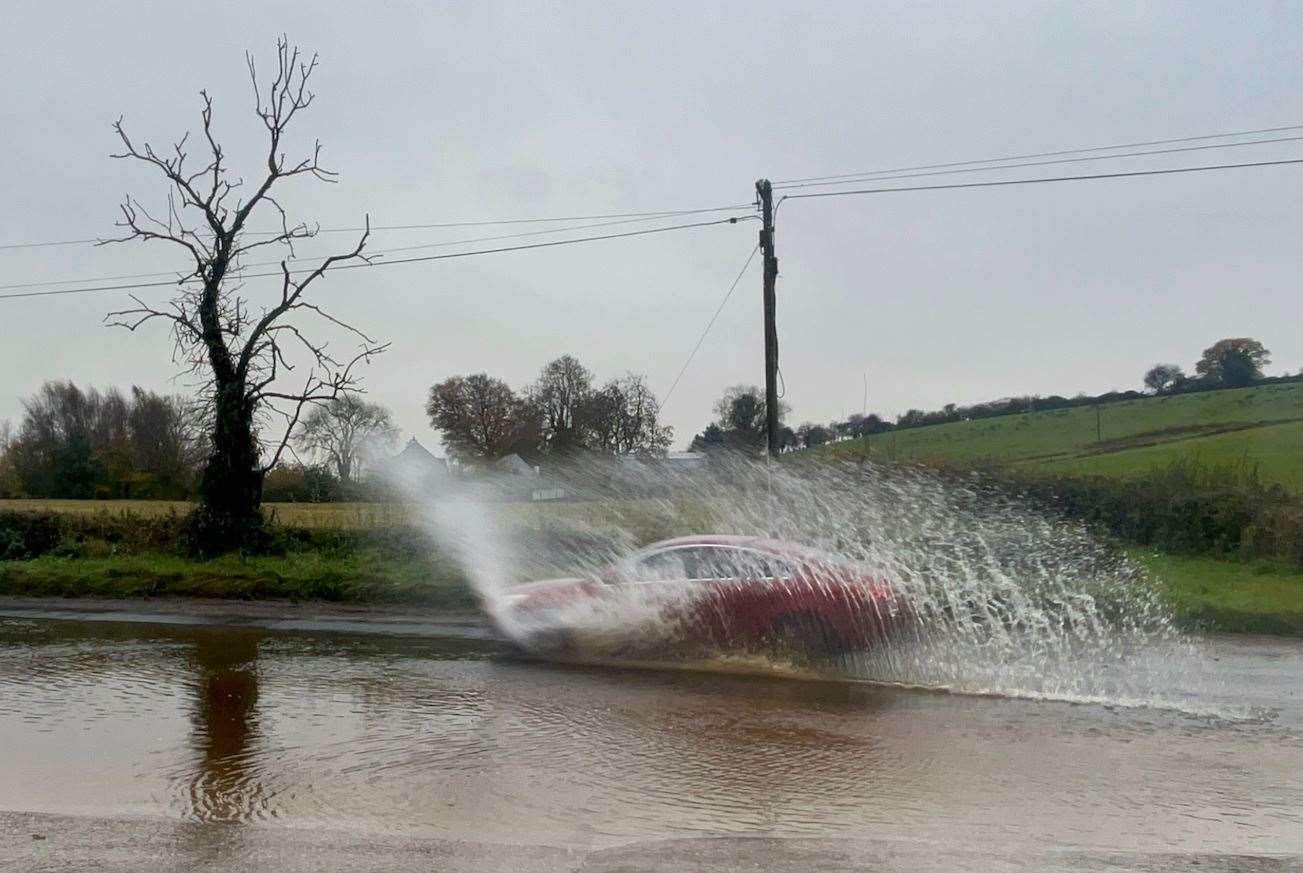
x,y
1129,145
370,253
1197,148
709,325
355,266
1043,179
669,213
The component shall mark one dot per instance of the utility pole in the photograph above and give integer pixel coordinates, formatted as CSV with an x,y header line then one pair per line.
x,y
864,417
765,192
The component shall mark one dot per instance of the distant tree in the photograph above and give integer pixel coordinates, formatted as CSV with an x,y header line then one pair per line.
x,y
740,414
711,439
54,453
168,437
811,436
243,350
347,433
301,483
1163,377
787,439
1233,362
8,478
912,418
623,417
562,395
481,417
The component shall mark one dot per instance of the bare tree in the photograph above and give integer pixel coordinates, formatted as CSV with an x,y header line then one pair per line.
x,y
346,433
241,350
560,395
623,417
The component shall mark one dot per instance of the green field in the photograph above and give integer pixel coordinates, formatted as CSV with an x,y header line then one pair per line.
x,y
1261,425
1230,597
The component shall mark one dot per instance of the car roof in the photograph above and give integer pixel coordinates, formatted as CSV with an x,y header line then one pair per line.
x,y
765,544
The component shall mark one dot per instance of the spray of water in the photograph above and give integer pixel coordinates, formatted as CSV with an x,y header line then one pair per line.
x,y
1008,598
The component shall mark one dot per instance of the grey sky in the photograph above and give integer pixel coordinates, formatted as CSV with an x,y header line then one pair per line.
x,y
436,112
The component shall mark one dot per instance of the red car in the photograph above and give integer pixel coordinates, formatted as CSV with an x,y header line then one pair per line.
x,y
722,593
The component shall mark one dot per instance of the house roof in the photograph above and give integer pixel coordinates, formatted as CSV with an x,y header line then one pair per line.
x,y
416,455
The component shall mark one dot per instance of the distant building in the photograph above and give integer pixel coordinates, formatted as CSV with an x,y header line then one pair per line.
x,y
416,468
687,460
515,465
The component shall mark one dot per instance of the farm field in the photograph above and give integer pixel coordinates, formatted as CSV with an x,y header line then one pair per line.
x,y
351,516
1260,425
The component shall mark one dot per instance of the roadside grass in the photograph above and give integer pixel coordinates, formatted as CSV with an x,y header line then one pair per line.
x,y
1228,596
1205,594
1261,425
367,575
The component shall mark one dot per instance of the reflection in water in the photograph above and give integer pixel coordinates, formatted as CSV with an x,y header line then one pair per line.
x,y
427,737
224,786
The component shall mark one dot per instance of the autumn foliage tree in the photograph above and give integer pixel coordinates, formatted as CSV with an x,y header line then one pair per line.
x,y
258,364
482,418
1233,362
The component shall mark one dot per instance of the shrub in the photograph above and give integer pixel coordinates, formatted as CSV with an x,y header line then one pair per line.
x,y
1186,506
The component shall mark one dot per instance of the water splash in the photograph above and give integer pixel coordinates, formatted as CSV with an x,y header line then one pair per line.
x,y
1009,598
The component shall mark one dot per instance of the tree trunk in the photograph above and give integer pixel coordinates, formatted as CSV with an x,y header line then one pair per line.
x,y
230,492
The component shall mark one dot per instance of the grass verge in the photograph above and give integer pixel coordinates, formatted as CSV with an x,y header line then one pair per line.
x,y
362,576
1230,597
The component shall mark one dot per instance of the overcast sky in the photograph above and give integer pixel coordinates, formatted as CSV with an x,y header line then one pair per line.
x,y
444,112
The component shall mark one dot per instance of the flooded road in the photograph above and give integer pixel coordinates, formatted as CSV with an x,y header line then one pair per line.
x,y
447,737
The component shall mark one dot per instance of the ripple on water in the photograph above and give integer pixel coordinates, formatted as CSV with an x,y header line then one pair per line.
x,y
390,736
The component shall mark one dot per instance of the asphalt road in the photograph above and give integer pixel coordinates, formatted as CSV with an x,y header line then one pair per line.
x,y
34,843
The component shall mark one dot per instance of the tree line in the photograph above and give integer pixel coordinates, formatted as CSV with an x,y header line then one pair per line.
x,y
86,443
563,412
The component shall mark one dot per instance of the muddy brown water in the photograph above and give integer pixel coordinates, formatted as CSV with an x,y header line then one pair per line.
x,y
448,736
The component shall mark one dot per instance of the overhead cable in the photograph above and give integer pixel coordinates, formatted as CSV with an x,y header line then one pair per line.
x,y
692,354
1006,182
363,265
668,213
878,178
1128,145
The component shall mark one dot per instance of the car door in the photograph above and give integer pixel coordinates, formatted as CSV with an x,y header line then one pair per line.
x,y
748,590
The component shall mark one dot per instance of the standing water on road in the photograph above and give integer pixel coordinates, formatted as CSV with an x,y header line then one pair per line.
x,y
444,737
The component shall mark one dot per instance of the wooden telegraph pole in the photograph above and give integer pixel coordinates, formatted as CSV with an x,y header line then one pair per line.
x,y
766,194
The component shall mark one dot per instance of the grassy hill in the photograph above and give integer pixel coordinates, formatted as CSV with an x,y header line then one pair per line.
x,y
1262,425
